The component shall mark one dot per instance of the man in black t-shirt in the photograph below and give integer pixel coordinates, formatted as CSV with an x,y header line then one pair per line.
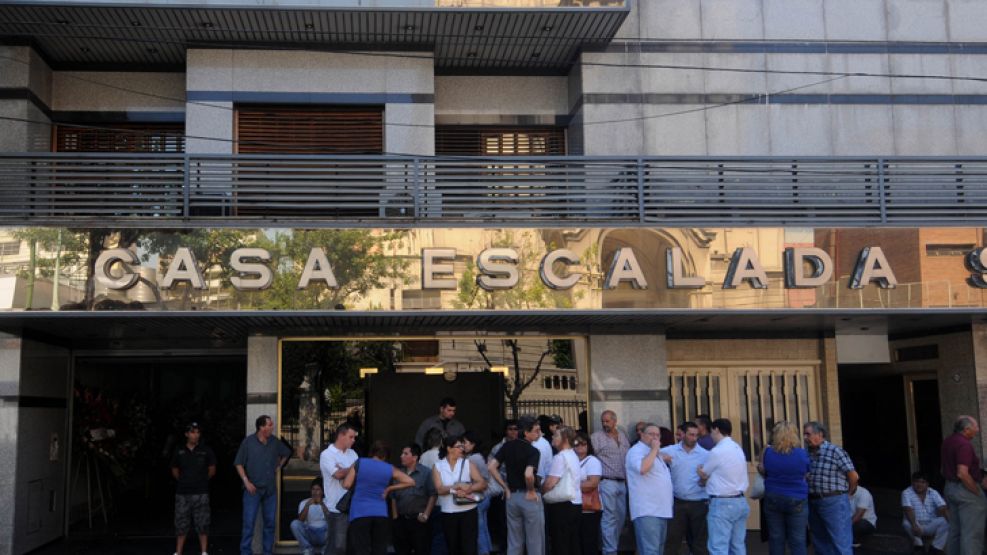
x,y
192,466
525,516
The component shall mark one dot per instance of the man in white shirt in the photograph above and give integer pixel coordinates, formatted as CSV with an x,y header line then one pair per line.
x,y
864,517
649,486
725,476
311,527
544,455
925,514
335,463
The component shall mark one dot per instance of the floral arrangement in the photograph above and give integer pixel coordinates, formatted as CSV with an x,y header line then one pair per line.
x,y
111,430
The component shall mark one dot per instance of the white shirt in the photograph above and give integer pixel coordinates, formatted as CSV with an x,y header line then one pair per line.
x,y
450,476
544,456
331,461
650,494
429,458
590,466
727,469
316,518
862,499
568,461
926,510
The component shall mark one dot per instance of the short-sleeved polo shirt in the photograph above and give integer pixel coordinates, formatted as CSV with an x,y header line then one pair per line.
x,y
260,460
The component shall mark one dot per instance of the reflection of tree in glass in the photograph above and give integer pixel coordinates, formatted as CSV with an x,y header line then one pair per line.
x,y
530,292
516,382
331,369
359,259
59,250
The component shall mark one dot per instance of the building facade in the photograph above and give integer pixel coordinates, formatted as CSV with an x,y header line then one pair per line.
x,y
330,210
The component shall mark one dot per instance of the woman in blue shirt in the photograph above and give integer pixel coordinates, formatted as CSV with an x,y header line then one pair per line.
x,y
784,466
369,525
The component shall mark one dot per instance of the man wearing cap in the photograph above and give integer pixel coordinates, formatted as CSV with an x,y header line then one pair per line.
x,y
257,462
192,466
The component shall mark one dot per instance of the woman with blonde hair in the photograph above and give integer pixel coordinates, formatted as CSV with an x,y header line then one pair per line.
x,y
784,466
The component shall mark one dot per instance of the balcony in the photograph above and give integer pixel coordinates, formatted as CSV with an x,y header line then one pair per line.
x,y
137,190
465,36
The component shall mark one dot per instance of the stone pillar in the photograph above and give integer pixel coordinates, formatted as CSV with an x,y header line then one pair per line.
x,y
629,375
829,381
34,442
979,337
262,395
26,79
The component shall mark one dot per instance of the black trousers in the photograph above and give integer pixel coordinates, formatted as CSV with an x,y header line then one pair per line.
x,y
369,535
411,536
589,532
563,527
688,521
461,530
861,529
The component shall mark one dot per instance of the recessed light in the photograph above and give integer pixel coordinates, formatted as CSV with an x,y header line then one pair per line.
x,y
536,54
409,27
85,50
864,329
136,23
207,24
471,54
62,21
310,26
152,50
546,28
478,27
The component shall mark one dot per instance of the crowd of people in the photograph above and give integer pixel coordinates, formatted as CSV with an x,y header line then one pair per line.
x,y
572,494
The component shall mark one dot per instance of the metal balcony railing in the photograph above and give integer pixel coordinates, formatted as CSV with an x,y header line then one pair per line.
x,y
139,190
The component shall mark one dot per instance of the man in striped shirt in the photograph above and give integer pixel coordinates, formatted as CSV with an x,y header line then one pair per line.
x,y
611,445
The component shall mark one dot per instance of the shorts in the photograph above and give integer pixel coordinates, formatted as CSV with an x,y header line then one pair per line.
x,y
191,508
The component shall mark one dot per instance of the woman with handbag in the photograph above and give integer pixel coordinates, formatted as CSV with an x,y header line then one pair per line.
x,y
459,485
562,495
473,443
590,474
370,481
784,466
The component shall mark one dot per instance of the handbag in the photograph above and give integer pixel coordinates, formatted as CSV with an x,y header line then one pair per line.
x,y
591,500
757,487
472,498
564,489
343,505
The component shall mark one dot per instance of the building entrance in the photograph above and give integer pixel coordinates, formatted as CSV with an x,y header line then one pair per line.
x,y
128,417
385,388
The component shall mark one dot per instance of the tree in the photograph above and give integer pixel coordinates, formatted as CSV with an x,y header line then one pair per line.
x,y
515,385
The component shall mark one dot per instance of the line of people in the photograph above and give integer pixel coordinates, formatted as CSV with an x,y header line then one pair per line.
x,y
574,495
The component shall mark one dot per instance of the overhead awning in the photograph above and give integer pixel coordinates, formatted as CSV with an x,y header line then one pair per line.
x,y
156,35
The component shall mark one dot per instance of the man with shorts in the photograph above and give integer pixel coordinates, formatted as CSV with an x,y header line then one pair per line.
x,y
192,466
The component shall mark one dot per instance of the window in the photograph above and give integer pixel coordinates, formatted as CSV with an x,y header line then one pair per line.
x,y
489,140
10,248
948,250
310,129
416,299
121,137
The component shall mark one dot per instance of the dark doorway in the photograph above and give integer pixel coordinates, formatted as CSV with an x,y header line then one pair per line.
x,y
128,417
873,414
928,427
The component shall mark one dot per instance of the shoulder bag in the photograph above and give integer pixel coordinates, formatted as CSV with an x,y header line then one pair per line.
x,y
591,500
343,505
472,498
564,488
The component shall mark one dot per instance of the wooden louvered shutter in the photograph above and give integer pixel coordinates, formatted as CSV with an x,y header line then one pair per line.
x,y
489,140
310,130
120,137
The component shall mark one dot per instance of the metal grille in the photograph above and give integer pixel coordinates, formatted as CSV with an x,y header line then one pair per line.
x,y
391,190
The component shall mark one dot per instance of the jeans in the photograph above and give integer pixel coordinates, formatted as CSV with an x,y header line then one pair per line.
x,y
649,533
787,518
308,537
265,501
525,525
830,521
483,531
726,524
613,497
937,529
967,513
338,523
688,521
